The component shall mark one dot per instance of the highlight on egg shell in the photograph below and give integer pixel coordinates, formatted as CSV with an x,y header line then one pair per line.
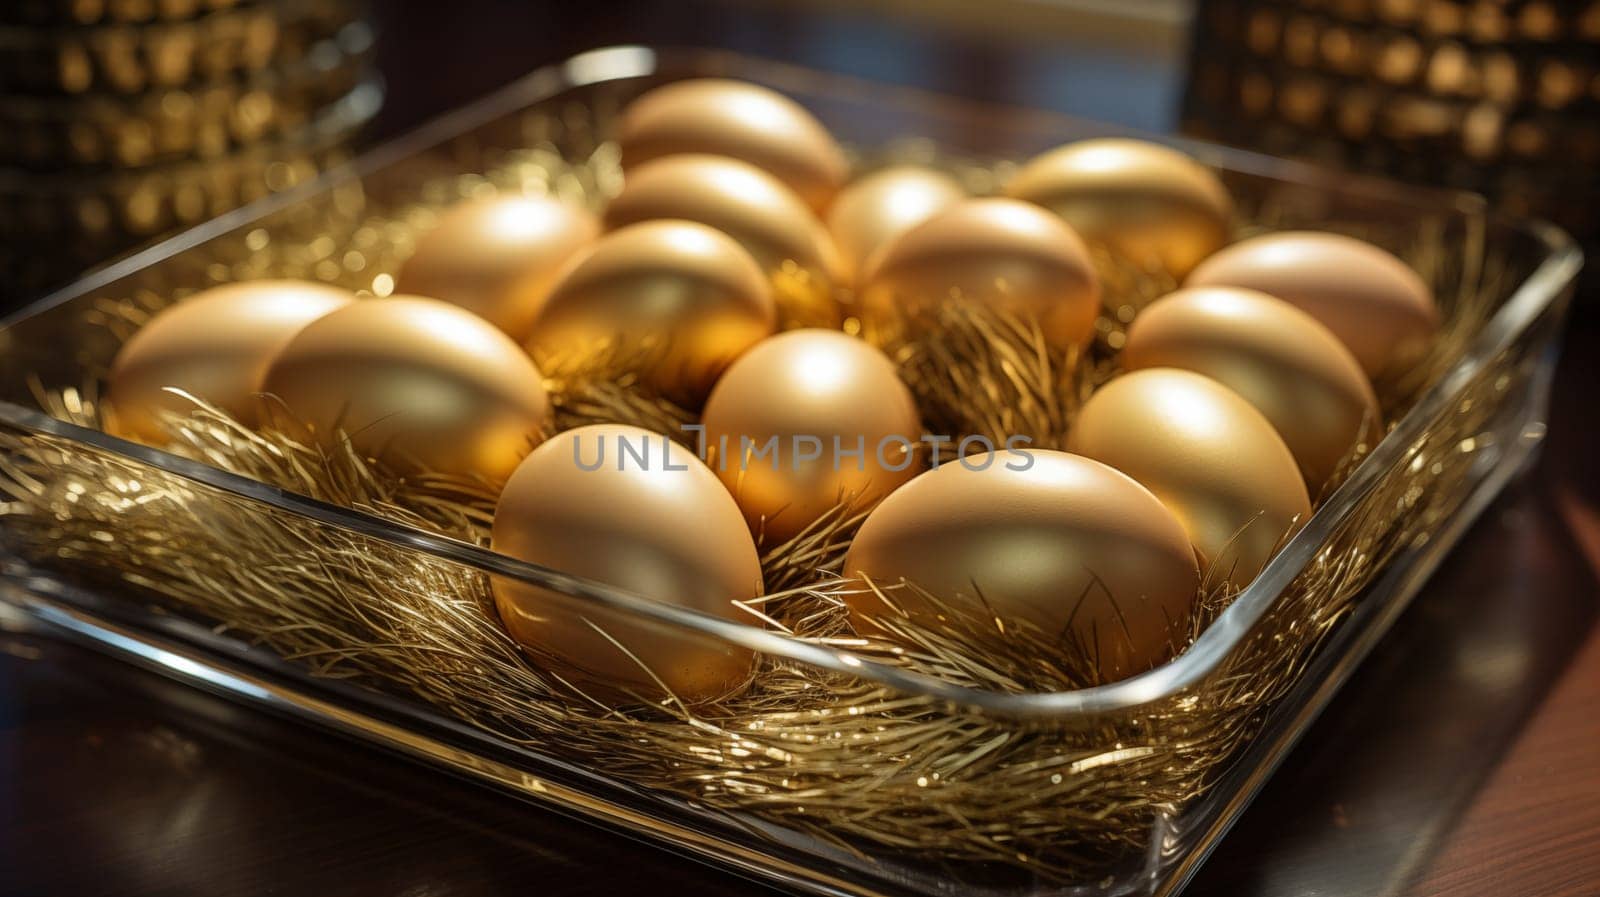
x,y
1005,252
1381,309
215,346
1150,203
806,421
629,508
1065,543
742,121
677,299
420,384
1207,454
876,208
1278,358
496,257
768,219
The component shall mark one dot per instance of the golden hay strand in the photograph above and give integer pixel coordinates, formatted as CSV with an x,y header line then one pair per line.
x,y
1059,803
868,769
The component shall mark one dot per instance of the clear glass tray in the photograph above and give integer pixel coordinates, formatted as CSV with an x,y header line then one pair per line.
x,y
1376,539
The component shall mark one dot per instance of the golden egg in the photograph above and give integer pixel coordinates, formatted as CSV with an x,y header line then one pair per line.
x,y
676,288
872,211
1148,202
419,383
497,257
216,346
629,508
1277,357
1066,543
1208,454
1002,251
732,118
742,201
1373,302
805,421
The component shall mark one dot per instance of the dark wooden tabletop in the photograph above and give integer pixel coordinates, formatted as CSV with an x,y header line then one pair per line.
x,y
1463,759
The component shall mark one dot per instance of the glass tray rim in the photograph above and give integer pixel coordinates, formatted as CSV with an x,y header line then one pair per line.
x,y
193,653
190,653
1538,292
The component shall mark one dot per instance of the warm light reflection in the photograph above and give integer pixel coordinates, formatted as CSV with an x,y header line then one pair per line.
x,y
913,201
455,328
1277,253
738,180
824,368
1223,303
1014,216
1098,158
755,110
1050,472
692,241
1188,411
520,220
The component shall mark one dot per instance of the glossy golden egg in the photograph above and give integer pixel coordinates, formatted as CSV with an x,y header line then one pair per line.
x,y
631,509
1002,251
1277,357
497,257
684,295
215,346
873,210
747,204
1149,203
1374,303
1209,455
805,421
418,383
1065,543
740,120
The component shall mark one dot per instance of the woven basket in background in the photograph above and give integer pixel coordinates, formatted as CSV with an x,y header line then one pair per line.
x,y
1496,96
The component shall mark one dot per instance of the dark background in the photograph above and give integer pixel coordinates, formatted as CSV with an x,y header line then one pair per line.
x,y
1461,760
1119,68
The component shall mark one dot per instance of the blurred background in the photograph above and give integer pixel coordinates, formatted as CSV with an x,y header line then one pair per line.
x,y
1460,760
124,120
121,120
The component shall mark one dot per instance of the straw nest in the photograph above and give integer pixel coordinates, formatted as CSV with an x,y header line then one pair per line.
x,y
881,775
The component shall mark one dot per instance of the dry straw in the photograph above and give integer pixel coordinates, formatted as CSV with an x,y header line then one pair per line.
x,y
874,772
